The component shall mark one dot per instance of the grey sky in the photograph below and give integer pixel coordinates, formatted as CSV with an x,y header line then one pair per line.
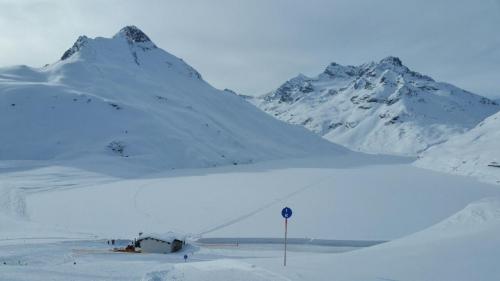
x,y
253,46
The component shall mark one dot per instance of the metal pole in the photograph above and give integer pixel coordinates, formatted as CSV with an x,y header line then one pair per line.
x,y
286,234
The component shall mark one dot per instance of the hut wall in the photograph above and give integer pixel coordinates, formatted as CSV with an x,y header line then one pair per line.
x,y
155,246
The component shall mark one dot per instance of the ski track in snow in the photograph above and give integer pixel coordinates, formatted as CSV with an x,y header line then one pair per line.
x,y
136,204
265,206
233,220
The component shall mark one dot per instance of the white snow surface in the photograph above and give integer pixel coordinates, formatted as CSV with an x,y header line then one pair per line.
x,y
462,247
53,223
353,197
377,108
475,153
123,97
214,270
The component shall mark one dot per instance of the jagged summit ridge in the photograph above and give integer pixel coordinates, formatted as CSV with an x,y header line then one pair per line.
x,y
80,42
336,70
377,107
129,46
132,35
392,61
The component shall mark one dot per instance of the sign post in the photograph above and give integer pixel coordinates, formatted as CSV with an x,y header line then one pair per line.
x,y
286,213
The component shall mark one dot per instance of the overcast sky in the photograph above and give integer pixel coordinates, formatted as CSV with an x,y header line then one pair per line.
x,y
253,46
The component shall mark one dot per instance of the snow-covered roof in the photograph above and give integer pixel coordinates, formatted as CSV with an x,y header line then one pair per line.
x,y
167,236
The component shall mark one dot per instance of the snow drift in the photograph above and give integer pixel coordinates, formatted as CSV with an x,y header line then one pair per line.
x,y
127,99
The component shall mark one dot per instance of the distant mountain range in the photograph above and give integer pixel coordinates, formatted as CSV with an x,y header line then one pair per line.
x,y
381,107
124,98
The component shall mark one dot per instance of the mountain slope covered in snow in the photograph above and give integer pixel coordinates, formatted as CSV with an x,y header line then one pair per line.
x,y
127,99
475,153
379,107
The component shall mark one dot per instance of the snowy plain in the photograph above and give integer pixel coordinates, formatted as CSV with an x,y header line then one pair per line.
x,y
64,214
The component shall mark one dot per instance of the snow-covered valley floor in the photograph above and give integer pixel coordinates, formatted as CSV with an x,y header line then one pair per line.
x,y
55,214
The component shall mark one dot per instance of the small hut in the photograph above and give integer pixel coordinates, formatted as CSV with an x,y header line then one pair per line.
x,y
160,243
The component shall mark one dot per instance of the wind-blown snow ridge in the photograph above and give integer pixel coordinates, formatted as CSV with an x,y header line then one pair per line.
x,y
379,107
124,98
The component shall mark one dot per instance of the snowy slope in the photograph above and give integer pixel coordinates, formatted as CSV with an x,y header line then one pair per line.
x,y
462,247
379,107
475,153
124,98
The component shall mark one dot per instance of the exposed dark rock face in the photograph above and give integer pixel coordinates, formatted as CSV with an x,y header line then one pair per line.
x,y
80,42
134,34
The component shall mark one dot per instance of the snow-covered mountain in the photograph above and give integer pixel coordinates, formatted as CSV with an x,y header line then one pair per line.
x,y
475,153
379,107
125,98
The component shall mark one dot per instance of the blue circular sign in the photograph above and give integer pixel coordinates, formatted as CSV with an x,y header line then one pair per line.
x,y
286,212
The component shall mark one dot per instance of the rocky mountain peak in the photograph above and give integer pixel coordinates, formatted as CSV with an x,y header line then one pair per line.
x,y
133,34
391,61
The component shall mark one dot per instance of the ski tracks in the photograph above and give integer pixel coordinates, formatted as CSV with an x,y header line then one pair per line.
x,y
264,206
